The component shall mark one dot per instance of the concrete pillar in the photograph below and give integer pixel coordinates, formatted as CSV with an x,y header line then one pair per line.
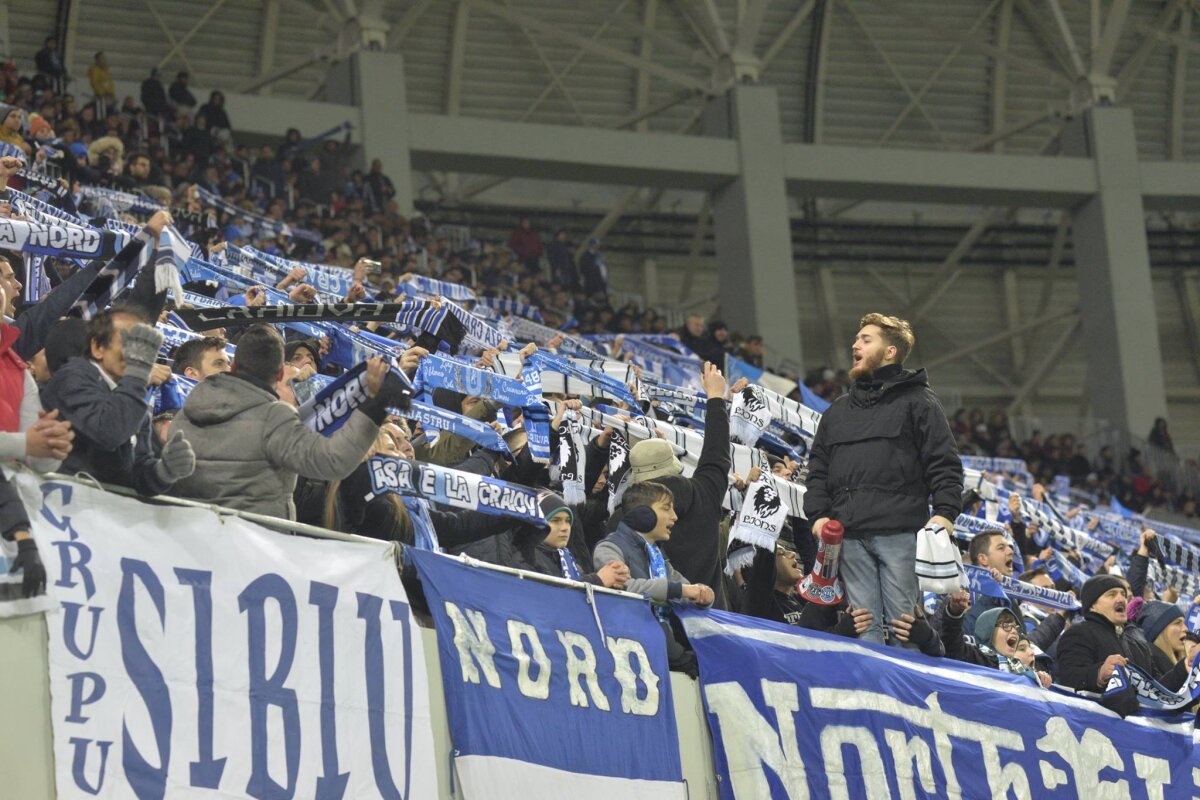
x,y
650,282
1112,264
755,273
374,81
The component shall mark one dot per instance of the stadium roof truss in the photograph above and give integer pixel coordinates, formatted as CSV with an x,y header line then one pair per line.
x,y
1000,104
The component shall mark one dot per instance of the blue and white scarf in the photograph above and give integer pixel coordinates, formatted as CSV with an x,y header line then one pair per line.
x,y
121,201
436,372
61,239
329,408
424,532
116,276
330,280
610,387
439,419
570,570
982,583
479,335
347,348
432,287
529,331
37,281
454,488
171,395
1062,567
423,317
507,305
39,211
658,569
1151,694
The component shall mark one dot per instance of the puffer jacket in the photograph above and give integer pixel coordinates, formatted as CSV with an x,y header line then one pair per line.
x,y
882,455
250,446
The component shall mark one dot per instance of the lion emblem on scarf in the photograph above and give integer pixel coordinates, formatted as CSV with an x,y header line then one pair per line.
x,y
766,501
752,400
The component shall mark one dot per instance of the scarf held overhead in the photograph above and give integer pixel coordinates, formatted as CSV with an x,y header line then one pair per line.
x,y
454,488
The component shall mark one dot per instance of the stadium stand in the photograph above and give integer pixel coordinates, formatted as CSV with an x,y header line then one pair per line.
x,y
214,342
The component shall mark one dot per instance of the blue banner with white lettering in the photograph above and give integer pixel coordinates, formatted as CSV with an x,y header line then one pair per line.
x,y
796,713
551,691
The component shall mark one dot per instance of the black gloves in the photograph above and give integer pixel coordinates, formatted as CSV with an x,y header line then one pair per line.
x,y
845,625
921,633
27,559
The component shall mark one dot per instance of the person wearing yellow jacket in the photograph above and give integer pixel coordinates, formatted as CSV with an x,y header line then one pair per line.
x,y
101,80
12,122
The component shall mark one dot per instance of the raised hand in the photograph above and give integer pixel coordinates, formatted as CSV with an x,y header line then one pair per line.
x,y
713,381
377,370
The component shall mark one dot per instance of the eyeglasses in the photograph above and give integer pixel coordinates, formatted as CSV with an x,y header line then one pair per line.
x,y
780,550
1009,625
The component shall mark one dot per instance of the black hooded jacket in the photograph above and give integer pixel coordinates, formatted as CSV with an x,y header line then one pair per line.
x,y
882,454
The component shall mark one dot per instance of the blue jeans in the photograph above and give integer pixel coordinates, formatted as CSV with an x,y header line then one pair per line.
x,y
880,575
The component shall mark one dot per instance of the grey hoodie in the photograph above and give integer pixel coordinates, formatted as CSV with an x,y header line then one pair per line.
x,y
250,446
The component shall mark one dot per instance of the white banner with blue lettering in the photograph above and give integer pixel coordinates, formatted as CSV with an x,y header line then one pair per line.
x,y
550,692
196,656
800,714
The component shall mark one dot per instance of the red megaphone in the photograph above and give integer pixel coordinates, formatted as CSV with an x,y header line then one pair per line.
x,y
823,586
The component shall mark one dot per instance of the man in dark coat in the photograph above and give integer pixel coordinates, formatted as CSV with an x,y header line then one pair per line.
x,y
695,550
1090,650
696,336
593,270
103,396
562,262
882,455
49,63
180,94
154,96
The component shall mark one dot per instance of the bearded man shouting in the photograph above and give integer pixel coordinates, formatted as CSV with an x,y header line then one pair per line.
x,y
883,454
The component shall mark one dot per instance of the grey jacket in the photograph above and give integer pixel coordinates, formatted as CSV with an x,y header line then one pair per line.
x,y
250,446
626,544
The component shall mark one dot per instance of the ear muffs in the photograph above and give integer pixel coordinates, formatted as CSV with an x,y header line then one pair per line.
x,y
642,519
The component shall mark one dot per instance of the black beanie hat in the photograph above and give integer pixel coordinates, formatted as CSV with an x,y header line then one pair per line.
x,y
551,503
311,345
1096,586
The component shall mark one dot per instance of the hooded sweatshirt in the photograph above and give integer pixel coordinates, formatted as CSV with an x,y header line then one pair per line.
x,y
250,446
